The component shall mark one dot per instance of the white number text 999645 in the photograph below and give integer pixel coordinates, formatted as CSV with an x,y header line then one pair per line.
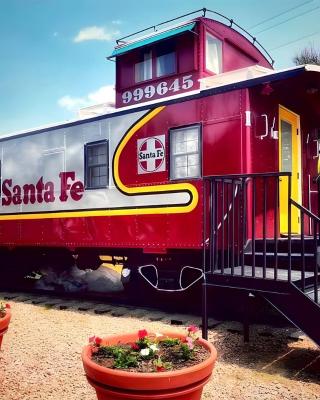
x,y
161,89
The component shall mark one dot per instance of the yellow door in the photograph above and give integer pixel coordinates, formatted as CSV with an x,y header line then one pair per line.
x,y
289,161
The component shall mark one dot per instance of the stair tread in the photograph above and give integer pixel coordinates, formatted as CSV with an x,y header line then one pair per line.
x,y
271,253
283,245
285,238
311,289
281,273
311,294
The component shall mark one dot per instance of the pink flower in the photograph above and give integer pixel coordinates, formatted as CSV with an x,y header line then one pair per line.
x,y
8,305
192,329
142,334
97,340
160,368
134,346
189,342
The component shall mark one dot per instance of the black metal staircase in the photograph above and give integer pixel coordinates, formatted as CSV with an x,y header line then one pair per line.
x,y
245,249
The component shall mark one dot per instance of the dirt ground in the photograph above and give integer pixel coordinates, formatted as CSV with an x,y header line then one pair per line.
x,y
40,356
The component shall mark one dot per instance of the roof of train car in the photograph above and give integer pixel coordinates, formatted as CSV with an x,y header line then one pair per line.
x,y
124,47
153,34
240,83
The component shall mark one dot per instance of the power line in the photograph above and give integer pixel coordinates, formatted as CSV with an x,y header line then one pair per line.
x,y
294,41
289,19
282,13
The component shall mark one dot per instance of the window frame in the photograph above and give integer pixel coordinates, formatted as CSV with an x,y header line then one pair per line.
x,y
207,32
87,167
142,54
161,50
174,72
200,152
155,51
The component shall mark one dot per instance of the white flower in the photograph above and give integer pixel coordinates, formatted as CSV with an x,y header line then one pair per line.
x,y
145,352
154,347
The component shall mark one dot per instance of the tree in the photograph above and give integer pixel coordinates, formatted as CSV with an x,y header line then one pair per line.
x,y
308,55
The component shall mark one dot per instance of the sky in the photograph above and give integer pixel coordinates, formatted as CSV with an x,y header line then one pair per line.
x,y
53,52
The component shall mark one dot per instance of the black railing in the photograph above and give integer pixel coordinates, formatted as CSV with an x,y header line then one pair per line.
x,y
318,190
307,218
256,230
258,239
244,209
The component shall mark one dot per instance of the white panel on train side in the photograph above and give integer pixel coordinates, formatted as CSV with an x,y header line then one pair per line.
x,y
25,159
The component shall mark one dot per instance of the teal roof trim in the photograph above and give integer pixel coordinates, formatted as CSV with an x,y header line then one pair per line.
x,y
152,39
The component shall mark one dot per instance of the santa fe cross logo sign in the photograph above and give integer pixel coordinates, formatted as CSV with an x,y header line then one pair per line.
x,y
151,154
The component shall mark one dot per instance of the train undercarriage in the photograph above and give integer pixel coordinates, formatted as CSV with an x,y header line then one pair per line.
x,y
97,270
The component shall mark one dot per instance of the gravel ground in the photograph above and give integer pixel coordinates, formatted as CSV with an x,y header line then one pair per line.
x,y
40,356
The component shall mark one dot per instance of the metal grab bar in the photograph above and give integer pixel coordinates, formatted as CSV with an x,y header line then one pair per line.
x,y
305,210
204,10
229,208
315,221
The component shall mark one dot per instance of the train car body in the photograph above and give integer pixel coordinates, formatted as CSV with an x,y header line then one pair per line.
x,y
130,184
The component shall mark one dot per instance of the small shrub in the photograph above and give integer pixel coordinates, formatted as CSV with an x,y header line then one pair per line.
x,y
3,309
309,55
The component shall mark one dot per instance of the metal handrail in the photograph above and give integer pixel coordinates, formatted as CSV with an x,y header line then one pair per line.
x,y
305,210
253,38
204,10
251,175
161,23
228,241
315,221
258,199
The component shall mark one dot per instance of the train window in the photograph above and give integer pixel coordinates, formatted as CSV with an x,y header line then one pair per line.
x,y
185,152
96,165
166,59
143,69
213,54
156,62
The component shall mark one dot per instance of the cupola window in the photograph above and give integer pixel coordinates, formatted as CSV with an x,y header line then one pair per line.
x,y
213,54
156,62
143,69
166,60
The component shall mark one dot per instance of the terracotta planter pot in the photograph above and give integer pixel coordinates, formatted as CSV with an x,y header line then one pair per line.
x,y
115,384
4,323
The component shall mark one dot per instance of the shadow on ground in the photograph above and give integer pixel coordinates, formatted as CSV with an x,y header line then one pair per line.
x,y
270,351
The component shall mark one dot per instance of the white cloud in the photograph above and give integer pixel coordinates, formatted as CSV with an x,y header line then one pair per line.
x,y
95,33
104,95
71,103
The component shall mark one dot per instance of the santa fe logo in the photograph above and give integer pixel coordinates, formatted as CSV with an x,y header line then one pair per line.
x,y
151,154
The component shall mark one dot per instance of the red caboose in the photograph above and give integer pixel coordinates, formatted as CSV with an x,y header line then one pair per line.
x,y
199,163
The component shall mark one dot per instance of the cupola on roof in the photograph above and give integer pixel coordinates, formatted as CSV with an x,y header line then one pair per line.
x,y
166,60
